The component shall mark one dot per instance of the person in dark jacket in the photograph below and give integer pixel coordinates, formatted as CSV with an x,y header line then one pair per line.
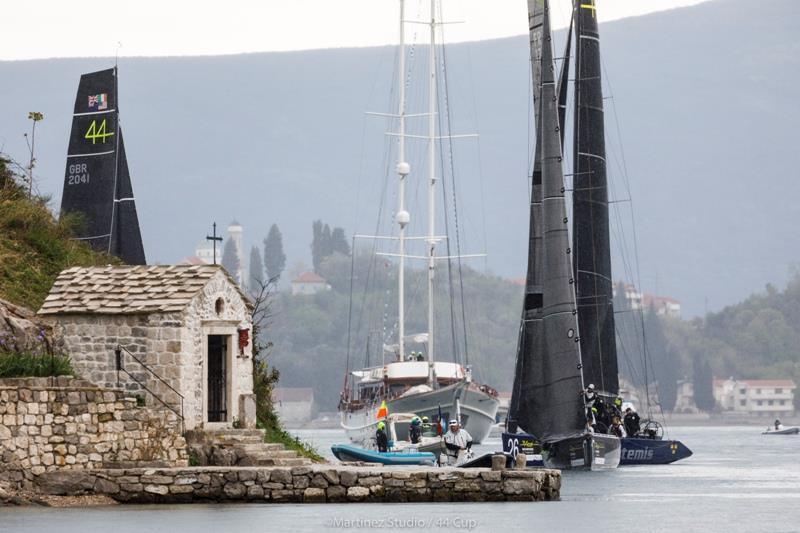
x,y
631,422
381,439
415,430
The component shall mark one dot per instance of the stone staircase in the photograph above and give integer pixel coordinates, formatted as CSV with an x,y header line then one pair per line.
x,y
240,447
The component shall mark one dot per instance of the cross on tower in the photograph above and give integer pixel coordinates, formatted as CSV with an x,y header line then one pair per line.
x,y
214,238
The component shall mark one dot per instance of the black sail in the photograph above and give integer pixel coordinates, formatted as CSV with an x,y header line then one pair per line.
x,y
530,322
563,83
126,238
592,257
96,180
549,378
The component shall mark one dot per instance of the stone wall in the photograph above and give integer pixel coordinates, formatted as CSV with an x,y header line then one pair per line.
x,y
317,484
90,341
49,424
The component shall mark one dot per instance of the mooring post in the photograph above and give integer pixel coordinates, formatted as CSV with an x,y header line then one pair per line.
x,y
498,461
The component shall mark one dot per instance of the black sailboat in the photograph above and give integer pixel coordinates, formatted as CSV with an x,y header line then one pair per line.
x,y
97,183
551,358
546,398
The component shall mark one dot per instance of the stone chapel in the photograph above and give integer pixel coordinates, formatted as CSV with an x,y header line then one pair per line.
x,y
178,335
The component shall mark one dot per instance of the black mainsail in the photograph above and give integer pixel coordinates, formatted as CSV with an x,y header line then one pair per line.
x,y
590,229
546,400
97,182
530,322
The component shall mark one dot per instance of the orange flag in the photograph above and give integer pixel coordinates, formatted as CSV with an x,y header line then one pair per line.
x,y
383,412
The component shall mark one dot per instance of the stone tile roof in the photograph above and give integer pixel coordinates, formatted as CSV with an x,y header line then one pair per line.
x,y
128,289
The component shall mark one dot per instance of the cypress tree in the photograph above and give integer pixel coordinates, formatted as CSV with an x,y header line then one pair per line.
x,y
256,270
274,258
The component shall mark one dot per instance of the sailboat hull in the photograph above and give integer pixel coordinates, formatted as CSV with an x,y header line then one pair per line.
x,y
478,412
637,451
588,452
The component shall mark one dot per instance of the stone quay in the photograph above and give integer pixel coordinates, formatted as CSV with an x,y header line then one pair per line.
x,y
305,484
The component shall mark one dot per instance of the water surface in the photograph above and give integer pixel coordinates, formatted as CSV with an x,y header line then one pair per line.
x,y
737,481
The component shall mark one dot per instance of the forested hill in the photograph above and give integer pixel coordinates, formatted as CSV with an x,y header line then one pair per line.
x,y
705,96
757,338
310,333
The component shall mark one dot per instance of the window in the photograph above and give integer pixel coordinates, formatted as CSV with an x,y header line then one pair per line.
x,y
778,391
742,391
783,402
742,402
758,391
758,403
770,402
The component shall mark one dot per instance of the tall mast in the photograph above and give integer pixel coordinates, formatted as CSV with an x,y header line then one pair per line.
x,y
432,177
403,170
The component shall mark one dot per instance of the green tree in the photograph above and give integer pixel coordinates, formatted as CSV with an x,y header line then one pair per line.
x,y
317,245
256,270
703,384
339,242
274,258
230,260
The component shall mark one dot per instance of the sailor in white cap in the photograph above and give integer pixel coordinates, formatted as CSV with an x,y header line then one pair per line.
x,y
589,399
457,441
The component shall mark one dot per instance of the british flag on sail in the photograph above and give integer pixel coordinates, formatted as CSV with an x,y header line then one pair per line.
x,y
98,102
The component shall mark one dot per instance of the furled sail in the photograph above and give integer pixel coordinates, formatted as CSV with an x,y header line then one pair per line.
x,y
97,182
592,249
548,380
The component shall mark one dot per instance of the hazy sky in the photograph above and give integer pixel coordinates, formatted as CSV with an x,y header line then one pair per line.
x,y
60,28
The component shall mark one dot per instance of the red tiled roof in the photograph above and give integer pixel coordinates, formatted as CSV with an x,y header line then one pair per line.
x,y
518,281
786,383
308,277
780,383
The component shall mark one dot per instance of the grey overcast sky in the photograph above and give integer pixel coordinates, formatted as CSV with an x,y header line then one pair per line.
x,y
36,29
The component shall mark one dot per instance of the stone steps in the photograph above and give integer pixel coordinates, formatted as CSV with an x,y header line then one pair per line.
x,y
260,446
245,447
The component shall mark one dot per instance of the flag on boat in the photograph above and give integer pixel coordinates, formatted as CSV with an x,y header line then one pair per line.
x,y
98,101
383,412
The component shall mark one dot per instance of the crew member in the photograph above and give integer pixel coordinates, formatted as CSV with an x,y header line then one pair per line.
x,y
778,425
381,439
616,407
589,397
601,415
415,431
457,441
631,422
616,427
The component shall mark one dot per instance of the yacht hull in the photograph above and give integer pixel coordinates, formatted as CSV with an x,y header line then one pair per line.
x,y
588,452
478,411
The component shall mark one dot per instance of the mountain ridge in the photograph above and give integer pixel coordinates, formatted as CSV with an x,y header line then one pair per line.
x,y
705,126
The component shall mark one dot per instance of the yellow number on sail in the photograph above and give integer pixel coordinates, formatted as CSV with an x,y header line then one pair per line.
x,y
97,132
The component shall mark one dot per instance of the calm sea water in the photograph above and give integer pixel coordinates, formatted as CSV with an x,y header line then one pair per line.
x,y
737,480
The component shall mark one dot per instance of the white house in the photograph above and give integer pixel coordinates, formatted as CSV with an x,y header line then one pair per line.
x,y
309,283
768,397
293,404
174,334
